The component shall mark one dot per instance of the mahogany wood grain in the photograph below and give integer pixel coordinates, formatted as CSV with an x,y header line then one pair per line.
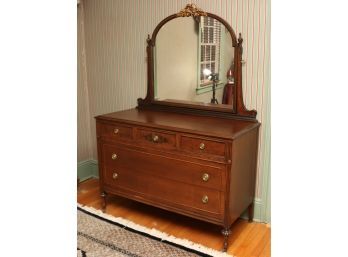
x,y
208,126
193,144
116,131
167,172
190,172
147,137
161,149
164,190
242,174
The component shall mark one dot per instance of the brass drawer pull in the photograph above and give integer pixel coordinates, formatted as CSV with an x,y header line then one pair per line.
x,y
116,130
205,199
114,175
155,138
114,156
202,146
205,177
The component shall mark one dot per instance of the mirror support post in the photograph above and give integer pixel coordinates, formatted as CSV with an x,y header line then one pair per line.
x,y
150,88
241,110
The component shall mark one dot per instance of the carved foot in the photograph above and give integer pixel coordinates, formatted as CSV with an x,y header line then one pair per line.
x,y
251,212
225,232
103,195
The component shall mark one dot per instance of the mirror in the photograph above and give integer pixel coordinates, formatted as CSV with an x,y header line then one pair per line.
x,y
193,62
194,65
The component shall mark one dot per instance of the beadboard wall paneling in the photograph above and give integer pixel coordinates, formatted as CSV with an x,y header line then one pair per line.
x,y
84,143
115,36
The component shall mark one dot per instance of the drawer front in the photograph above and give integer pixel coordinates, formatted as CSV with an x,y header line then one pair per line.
x,y
156,139
154,165
116,131
202,146
164,190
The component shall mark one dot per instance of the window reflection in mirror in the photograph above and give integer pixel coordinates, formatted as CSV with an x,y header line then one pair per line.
x,y
210,42
185,48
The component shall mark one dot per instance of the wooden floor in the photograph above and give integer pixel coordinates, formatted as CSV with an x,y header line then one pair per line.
x,y
246,239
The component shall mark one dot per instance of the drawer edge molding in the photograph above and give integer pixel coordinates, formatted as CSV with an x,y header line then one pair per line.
x,y
169,206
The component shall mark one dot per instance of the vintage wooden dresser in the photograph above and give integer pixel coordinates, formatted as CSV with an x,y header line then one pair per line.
x,y
196,160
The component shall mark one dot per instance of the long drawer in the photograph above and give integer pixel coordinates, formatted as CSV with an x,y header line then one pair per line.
x,y
116,158
165,190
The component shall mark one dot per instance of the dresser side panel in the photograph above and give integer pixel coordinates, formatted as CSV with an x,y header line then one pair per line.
x,y
100,154
243,174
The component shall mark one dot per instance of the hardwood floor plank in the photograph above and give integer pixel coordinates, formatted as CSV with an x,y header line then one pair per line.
x,y
236,242
249,246
261,244
266,252
246,239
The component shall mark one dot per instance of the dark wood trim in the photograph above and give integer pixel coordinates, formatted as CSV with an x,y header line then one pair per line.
x,y
240,107
150,82
143,105
237,110
160,25
174,16
229,158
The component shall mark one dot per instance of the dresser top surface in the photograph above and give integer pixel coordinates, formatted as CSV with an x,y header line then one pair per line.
x,y
210,126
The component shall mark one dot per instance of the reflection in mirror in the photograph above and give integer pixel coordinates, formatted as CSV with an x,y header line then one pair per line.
x,y
194,62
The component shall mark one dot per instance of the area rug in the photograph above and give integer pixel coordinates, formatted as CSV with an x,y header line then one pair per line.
x,y
103,235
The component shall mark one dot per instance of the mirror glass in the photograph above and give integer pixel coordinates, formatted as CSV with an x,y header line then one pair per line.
x,y
193,62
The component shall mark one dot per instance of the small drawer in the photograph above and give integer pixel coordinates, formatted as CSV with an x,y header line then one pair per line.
x,y
157,139
203,146
116,131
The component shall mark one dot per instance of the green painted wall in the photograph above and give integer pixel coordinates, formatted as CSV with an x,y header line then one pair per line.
x,y
87,169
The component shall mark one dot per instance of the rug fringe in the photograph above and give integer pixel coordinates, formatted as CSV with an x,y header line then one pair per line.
x,y
154,232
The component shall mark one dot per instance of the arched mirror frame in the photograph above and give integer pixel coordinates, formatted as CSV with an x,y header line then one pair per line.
x,y
237,110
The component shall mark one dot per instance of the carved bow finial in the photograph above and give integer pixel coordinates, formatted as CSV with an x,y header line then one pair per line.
x,y
191,10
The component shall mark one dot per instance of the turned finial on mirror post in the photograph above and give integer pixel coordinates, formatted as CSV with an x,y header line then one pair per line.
x,y
148,40
240,42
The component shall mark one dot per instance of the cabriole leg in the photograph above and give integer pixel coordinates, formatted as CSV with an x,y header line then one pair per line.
x,y
225,232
